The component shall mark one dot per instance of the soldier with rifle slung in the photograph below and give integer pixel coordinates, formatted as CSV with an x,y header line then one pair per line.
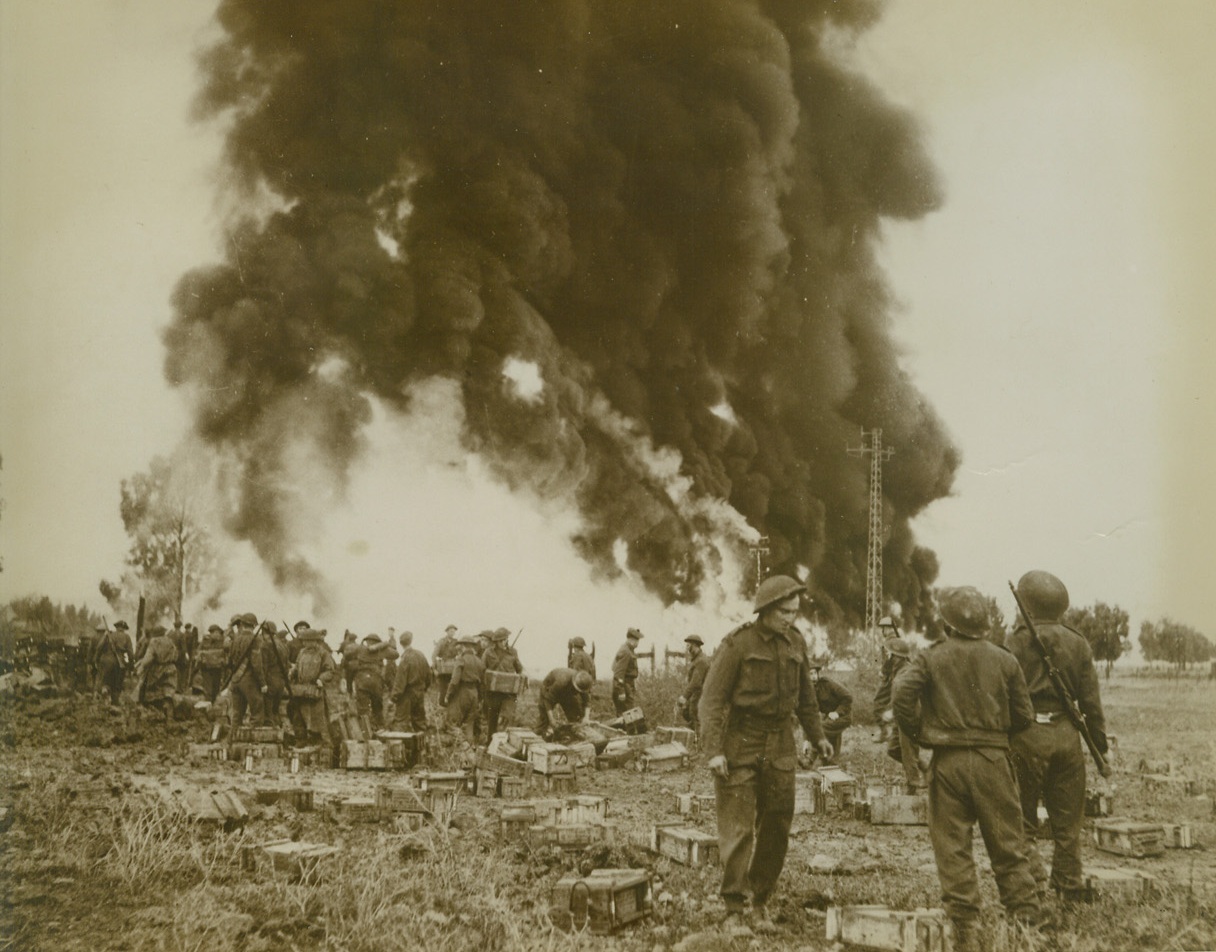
x,y
248,676
625,673
500,705
1047,757
111,659
211,660
577,657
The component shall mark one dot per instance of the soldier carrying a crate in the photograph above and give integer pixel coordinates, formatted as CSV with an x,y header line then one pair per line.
x,y
759,680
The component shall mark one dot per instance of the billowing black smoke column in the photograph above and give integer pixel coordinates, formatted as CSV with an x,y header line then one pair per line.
x,y
669,208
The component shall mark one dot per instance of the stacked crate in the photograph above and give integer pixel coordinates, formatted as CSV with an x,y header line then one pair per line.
x,y
1129,838
601,902
685,845
663,758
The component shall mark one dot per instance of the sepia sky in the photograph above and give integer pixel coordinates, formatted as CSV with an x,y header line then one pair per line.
x,y
1057,311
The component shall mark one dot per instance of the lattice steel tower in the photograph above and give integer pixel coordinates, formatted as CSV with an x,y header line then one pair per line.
x,y
878,453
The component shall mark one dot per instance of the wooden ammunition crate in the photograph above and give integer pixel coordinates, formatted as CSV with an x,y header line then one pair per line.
x,y
632,721
584,809
684,844
521,737
357,809
1129,838
663,758
241,752
861,810
516,819
402,749
222,807
295,859
363,755
201,753
693,804
602,902
559,784
677,735
505,766
445,666
839,788
446,781
1098,804
512,788
301,798
582,753
618,752
894,930
305,756
406,798
1173,783
1119,883
1177,836
410,822
550,759
504,682
900,810
485,783
808,793
569,836
259,735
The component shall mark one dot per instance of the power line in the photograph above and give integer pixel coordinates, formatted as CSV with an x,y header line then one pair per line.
x,y
877,453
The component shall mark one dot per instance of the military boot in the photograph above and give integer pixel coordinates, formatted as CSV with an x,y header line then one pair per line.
x,y
964,935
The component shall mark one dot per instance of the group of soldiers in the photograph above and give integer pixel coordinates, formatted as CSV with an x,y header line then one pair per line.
x,y
986,728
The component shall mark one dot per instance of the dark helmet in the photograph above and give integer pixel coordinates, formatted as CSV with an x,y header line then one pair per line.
x,y
1044,595
634,633
121,624
269,626
578,641
372,639
158,631
965,610
300,624
249,618
694,640
776,588
899,648
500,634
583,681
215,628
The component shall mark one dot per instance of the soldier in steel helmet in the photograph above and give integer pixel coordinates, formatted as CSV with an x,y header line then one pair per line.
x,y
625,673
564,696
409,688
577,657
1048,757
835,705
900,747
960,700
694,681
248,682
463,697
112,658
759,680
500,705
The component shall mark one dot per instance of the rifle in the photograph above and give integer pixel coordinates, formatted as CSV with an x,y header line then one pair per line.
x,y
274,647
516,638
1071,707
237,667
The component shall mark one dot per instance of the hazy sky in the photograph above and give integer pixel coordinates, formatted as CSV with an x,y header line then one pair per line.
x,y
1057,312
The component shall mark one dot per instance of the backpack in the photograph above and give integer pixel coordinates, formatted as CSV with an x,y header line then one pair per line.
x,y
309,664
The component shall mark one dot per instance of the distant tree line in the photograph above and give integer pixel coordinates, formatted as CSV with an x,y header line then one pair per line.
x,y
1167,640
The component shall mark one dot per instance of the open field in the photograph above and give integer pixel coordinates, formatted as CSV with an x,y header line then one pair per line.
x,y
92,858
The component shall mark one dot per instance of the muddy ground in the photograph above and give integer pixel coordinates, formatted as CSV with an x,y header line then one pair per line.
x,y
91,860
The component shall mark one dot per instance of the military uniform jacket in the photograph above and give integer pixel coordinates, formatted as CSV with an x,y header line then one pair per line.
x,y
243,646
413,671
469,669
211,653
1075,661
114,645
446,649
276,659
625,664
581,661
559,688
697,670
962,692
502,659
833,696
759,676
890,669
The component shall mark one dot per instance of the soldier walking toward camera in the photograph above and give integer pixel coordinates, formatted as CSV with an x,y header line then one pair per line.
x,y
447,650
1048,757
463,697
625,673
409,688
960,700
835,706
694,681
759,681
900,747
577,657
499,706
564,696
111,659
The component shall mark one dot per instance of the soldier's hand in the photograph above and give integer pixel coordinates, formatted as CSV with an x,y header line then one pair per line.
x,y
825,749
833,716
924,758
888,716
718,766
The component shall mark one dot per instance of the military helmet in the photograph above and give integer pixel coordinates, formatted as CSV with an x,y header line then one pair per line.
x,y
965,610
886,622
269,626
372,639
899,648
470,640
450,628
1044,595
215,627
634,633
301,624
583,681
500,634
249,618
694,640
158,631
121,624
406,638
776,588
578,641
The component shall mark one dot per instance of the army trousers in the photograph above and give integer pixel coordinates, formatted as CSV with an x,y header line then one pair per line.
x,y
462,710
246,700
499,711
209,680
903,750
409,712
624,697
755,806
969,785
111,674
1050,766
